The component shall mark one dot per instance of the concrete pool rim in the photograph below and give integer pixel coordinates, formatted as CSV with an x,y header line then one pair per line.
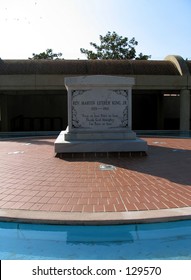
x,y
98,218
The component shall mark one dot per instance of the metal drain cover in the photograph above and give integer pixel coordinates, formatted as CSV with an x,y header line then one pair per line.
x,y
107,167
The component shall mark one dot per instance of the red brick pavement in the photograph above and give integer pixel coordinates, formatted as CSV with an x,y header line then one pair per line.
x,y
32,178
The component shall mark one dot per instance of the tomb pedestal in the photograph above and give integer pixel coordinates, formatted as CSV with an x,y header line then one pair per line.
x,y
99,116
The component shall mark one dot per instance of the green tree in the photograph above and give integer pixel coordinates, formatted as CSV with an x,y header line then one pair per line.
x,y
113,46
143,57
48,54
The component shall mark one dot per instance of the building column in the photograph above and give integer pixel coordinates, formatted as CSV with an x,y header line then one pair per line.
x,y
160,111
184,110
4,113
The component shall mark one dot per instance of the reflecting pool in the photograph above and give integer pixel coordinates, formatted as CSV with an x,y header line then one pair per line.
x,y
170,240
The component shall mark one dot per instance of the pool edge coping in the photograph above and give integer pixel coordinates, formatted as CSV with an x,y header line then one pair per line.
x,y
98,218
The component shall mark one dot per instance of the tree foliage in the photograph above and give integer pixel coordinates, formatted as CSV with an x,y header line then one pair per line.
x,y
113,46
48,54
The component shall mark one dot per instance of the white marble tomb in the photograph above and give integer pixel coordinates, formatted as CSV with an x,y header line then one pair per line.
x,y
99,116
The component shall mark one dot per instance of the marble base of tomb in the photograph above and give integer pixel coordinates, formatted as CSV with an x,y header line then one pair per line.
x,y
99,142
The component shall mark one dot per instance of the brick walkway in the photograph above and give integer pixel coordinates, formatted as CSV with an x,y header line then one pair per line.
x,y
32,178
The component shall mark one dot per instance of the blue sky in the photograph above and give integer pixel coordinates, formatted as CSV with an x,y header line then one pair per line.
x,y
161,27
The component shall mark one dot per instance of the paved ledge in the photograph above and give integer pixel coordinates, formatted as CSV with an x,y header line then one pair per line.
x,y
131,217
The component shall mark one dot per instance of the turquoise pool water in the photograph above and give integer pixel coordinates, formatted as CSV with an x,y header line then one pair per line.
x,y
170,240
